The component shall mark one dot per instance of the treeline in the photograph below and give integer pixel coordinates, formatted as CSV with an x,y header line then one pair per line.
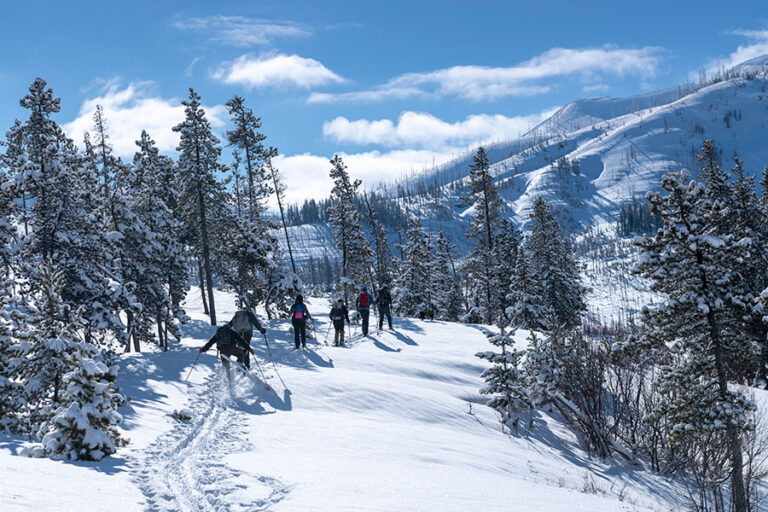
x,y
97,255
664,391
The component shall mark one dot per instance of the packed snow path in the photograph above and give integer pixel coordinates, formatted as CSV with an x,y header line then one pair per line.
x,y
392,422
183,469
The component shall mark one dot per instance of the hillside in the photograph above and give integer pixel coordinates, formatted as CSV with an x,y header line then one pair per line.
x,y
394,422
595,154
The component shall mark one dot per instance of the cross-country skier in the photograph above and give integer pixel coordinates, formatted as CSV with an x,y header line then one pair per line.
x,y
243,323
337,315
299,315
363,306
229,343
384,303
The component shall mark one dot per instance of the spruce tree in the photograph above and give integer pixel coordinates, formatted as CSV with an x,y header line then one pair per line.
x,y
198,163
506,382
414,290
698,269
553,267
356,254
483,198
446,289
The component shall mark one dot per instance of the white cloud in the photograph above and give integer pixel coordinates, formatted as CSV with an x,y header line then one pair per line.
x,y
306,175
272,70
486,83
133,108
422,130
241,30
757,47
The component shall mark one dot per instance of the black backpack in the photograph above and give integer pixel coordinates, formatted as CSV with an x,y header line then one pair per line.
x,y
226,338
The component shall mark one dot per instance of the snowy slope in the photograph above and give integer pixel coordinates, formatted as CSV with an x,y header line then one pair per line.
x,y
382,425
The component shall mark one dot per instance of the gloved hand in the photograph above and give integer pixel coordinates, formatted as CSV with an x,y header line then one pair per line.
x,y
201,349
252,352
263,331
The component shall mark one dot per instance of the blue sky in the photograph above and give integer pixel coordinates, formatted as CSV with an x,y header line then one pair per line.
x,y
392,85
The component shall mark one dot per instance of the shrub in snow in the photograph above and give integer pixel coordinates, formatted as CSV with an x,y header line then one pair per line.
x,y
506,382
85,424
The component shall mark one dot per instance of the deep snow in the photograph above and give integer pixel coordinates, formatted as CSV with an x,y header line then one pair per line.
x,y
392,422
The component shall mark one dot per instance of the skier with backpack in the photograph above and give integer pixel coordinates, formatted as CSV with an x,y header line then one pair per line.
x,y
299,315
337,315
243,323
229,343
384,301
363,306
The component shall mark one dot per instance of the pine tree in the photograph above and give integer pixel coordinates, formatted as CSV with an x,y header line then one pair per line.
x,y
698,269
198,164
386,268
553,267
84,426
356,255
527,310
446,289
505,380
483,198
249,142
46,339
159,270
414,289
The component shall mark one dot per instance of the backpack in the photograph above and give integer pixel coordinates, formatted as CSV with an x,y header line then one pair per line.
x,y
226,337
337,314
384,298
298,312
241,322
364,300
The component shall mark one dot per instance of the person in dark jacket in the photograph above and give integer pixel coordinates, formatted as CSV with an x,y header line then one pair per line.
x,y
384,303
243,323
363,306
299,316
229,343
338,315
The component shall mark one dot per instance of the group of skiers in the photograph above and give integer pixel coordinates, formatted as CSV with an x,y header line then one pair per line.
x,y
234,338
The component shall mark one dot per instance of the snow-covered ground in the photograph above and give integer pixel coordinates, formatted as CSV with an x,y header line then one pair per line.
x,y
393,422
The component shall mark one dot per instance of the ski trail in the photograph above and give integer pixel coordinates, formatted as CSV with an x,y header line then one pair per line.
x,y
185,469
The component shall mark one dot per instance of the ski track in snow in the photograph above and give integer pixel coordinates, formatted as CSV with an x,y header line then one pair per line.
x,y
185,468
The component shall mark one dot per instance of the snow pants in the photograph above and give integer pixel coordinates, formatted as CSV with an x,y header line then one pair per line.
x,y
364,314
385,310
300,333
240,355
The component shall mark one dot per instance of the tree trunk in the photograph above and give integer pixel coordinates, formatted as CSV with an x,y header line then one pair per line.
x,y
206,256
202,284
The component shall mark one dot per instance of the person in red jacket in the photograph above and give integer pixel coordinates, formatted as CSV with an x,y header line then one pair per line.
x,y
363,306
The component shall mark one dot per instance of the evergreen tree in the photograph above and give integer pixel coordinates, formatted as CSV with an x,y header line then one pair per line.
x,y
527,310
698,269
159,270
356,255
505,380
413,292
446,288
84,426
249,141
483,198
553,267
201,191
385,267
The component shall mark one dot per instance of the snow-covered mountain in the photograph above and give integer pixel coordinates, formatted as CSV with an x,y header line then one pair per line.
x,y
610,150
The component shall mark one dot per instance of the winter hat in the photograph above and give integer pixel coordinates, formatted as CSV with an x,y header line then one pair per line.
x,y
365,288
299,299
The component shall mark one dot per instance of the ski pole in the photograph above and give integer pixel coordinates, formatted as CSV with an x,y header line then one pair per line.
x,y
269,351
327,333
274,365
193,366
261,372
